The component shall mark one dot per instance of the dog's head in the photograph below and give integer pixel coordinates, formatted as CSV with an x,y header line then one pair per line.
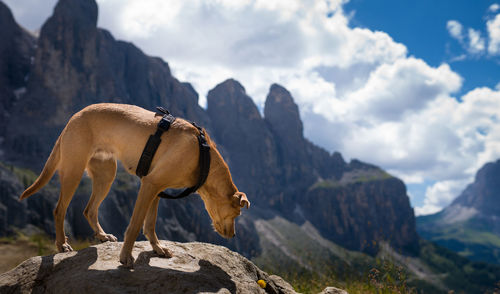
x,y
224,210
222,199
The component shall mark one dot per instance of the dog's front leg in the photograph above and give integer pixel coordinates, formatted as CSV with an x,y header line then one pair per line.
x,y
146,195
149,230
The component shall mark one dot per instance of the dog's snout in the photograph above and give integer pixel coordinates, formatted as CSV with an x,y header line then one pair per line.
x,y
234,235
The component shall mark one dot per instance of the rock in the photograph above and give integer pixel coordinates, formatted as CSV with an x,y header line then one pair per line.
x,y
283,115
348,211
16,50
333,290
474,214
482,194
195,267
247,144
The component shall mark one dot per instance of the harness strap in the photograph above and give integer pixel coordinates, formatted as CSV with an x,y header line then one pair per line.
x,y
153,143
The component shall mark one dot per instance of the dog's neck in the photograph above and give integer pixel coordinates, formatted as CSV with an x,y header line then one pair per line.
x,y
219,182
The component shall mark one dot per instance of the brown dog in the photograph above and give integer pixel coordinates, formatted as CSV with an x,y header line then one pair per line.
x,y
98,135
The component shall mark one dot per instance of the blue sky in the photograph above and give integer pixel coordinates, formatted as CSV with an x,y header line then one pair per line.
x,y
421,26
410,86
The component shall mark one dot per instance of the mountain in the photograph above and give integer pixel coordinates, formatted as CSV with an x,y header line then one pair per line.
x,y
470,224
16,49
302,196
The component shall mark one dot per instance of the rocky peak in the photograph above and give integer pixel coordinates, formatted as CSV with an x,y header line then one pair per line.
x,y
484,193
231,103
82,12
283,114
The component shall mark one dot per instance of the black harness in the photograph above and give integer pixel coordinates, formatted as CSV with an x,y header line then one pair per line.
x,y
152,145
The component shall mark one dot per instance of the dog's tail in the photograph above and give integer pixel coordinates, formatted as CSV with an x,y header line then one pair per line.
x,y
48,171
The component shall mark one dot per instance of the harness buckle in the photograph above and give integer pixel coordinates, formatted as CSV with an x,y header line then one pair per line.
x,y
165,122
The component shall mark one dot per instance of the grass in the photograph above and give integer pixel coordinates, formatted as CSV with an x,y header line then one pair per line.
x,y
383,278
470,239
467,235
17,248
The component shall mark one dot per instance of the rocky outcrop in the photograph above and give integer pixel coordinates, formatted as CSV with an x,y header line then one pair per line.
x,y
246,142
16,50
469,225
483,193
363,208
194,268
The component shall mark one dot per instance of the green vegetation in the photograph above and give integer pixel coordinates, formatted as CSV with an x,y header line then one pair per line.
x,y
355,177
326,184
310,263
459,272
383,278
470,239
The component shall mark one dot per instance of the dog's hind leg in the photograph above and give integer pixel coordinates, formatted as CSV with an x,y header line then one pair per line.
x,y
149,229
69,178
102,172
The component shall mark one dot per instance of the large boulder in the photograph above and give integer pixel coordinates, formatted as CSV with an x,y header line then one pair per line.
x,y
194,268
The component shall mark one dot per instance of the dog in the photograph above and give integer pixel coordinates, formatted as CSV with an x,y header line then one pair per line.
x,y
99,135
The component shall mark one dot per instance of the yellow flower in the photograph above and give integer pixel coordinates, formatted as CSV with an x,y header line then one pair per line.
x,y
262,283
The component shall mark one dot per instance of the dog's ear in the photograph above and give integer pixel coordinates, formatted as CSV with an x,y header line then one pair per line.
x,y
244,200
240,200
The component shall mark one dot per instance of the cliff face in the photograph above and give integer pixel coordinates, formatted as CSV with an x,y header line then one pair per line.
x,y
77,64
483,195
362,208
469,225
16,49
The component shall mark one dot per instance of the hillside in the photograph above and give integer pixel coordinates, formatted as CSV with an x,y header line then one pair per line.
x,y
469,225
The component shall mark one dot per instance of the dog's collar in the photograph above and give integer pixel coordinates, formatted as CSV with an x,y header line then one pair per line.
x,y
152,145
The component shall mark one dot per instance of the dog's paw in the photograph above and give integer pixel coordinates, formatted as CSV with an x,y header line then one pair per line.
x,y
162,251
65,247
127,260
106,237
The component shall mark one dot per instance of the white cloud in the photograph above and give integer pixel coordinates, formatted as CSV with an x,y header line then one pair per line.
x,y
493,27
476,42
455,29
439,195
494,7
473,42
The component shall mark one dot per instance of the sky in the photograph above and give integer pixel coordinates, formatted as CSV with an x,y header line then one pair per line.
x,y
411,86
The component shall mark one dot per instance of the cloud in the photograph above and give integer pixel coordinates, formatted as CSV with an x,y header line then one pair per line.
x,y
455,29
472,42
476,42
494,7
439,195
493,27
